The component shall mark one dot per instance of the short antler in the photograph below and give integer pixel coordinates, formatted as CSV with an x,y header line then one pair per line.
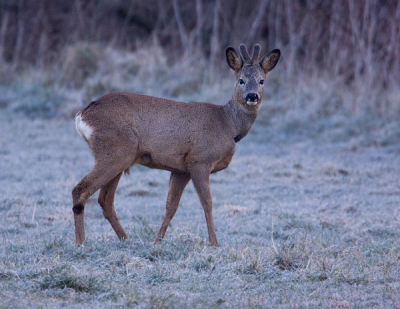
x,y
245,53
256,53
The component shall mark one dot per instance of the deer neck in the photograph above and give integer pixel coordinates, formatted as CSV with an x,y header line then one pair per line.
x,y
241,118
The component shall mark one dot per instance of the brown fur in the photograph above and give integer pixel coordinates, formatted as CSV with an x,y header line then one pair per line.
x,y
191,140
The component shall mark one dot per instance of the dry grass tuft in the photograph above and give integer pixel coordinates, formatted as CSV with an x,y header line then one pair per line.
x,y
80,62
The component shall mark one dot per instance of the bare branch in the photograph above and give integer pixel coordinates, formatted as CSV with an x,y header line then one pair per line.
x,y
199,26
3,31
181,27
256,22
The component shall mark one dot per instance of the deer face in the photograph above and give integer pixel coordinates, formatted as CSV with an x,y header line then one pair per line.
x,y
250,85
250,74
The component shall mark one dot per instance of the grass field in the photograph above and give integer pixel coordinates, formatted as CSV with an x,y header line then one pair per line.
x,y
307,214
303,222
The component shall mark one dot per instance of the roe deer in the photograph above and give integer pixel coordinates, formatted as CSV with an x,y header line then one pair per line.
x,y
191,140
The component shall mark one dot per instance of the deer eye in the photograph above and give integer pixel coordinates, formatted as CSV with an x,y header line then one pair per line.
x,y
262,82
241,81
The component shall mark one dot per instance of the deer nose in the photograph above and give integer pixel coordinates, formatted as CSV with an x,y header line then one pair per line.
x,y
252,98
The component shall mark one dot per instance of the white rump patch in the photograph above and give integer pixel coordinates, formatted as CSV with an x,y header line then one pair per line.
x,y
82,127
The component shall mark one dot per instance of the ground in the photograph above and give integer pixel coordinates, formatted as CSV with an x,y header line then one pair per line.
x,y
303,221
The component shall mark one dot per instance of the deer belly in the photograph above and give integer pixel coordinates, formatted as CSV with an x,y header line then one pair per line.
x,y
173,162
222,164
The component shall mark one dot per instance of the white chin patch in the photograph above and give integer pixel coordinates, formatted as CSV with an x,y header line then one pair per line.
x,y
251,103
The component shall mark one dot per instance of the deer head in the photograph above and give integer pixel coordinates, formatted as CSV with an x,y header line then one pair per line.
x,y
250,74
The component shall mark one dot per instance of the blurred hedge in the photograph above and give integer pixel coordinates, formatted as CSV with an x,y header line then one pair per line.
x,y
358,41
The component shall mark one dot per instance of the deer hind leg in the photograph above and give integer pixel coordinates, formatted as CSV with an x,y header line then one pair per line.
x,y
99,177
106,201
201,180
177,184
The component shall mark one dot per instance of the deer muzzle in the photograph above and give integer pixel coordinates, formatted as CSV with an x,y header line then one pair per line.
x,y
252,99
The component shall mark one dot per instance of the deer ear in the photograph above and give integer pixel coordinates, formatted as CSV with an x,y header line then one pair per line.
x,y
235,62
269,61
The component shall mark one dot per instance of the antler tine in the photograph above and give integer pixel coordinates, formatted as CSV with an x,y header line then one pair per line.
x,y
256,53
245,53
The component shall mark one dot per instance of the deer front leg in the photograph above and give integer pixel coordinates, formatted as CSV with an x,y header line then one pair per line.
x,y
177,184
201,180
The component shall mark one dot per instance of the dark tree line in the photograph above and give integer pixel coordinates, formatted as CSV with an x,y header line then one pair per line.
x,y
358,40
